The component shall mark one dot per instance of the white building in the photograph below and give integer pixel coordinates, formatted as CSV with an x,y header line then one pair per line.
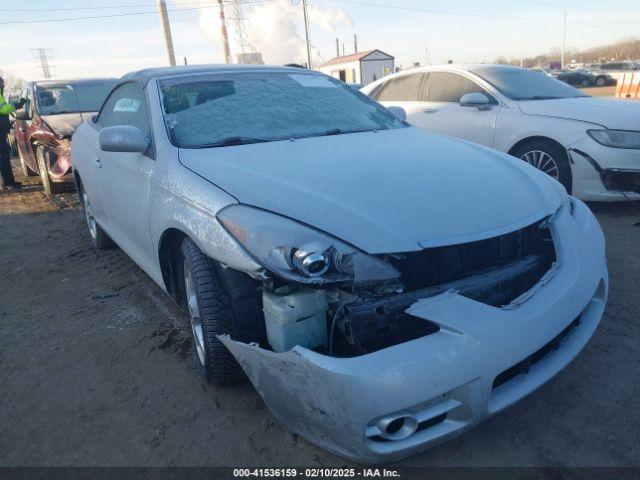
x,y
363,67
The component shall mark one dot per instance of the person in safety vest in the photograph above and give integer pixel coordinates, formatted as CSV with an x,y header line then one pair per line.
x,y
7,181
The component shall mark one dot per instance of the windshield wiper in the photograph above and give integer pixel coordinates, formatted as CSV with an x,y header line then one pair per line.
x,y
230,141
339,131
542,97
62,112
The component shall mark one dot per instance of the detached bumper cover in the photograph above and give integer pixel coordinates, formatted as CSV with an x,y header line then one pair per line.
x,y
482,360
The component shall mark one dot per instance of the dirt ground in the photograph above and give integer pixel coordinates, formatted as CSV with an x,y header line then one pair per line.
x,y
96,368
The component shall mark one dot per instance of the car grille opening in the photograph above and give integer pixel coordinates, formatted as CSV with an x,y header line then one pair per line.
x,y
532,245
621,180
524,366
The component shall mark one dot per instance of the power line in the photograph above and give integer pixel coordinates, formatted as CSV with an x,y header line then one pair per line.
x,y
477,15
576,7
108,7
114,15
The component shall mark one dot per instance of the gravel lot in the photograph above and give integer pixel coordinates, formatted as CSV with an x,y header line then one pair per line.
x,y
96,367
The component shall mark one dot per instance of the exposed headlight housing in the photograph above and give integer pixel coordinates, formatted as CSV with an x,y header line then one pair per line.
x,y
616,138
300,253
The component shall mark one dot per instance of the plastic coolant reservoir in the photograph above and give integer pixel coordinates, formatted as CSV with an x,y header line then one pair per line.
x,y
298,318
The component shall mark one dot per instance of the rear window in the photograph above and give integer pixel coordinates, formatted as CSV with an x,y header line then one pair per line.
x,y
54,99
404,88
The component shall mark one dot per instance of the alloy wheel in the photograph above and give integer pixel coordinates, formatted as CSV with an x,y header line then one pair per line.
x,y
91,222
194,314
542,161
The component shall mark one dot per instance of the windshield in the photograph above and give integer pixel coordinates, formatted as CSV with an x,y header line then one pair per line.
x,y
72,97
521,84
232,109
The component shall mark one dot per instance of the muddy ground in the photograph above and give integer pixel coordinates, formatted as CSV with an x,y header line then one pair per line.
x,y
96,367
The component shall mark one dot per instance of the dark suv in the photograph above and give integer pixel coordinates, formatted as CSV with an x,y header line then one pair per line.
x,y
51,112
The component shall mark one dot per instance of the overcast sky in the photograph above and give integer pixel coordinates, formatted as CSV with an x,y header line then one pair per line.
x,y
463,31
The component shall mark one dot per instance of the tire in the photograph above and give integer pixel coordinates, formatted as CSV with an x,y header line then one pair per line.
x,y
549,157
601,81
50,187
99,238
26,171
211,313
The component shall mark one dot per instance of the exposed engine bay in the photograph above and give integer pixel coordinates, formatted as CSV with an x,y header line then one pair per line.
x,y
351,320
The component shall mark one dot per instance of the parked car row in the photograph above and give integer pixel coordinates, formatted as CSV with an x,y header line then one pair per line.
x,y
384,287
584,78
615,69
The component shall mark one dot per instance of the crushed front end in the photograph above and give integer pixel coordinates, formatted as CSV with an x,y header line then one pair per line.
x,y
385,369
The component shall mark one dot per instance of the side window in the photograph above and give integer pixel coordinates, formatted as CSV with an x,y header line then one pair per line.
x,y
126,105
450,87
25,99
406,88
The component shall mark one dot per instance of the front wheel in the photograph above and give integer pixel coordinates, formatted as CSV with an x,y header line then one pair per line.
x,y
43,155
601,81
548,157
210,314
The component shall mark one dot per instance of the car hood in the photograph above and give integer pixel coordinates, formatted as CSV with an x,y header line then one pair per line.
x,y
390,191
610,113
64,124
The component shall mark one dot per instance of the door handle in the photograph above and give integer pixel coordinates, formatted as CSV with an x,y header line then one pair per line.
x,y
430,110
97,163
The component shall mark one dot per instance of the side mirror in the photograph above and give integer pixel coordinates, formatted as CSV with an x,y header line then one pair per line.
x,y
123,138
22,114
398,112
476,99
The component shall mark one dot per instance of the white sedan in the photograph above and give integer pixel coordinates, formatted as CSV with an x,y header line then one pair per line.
x,y
384,288
590,145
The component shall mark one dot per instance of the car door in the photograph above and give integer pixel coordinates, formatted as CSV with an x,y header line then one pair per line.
x,y
23,130
121,179
443,113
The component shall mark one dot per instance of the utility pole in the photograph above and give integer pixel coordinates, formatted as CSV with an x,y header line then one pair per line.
x,y
564,38
337,47
355,43
43,54
166,32
225,36
306,32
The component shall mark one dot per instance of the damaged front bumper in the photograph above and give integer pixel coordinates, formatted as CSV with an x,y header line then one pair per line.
x,y
602,173
397,401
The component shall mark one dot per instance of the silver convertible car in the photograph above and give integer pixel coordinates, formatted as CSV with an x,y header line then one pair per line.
x,y
384,288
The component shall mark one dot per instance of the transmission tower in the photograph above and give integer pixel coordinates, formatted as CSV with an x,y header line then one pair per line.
x,y
240,33
43,54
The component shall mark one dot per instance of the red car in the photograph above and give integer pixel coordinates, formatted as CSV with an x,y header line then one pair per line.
x,y
51,112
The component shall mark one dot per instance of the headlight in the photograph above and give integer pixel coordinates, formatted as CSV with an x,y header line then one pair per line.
x,y
616,138
300,253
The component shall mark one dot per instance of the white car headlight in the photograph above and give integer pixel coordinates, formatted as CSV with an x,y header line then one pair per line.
x,y
616,138
301,253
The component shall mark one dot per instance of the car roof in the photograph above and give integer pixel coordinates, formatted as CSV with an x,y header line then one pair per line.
x,y
75,81
162,72
461,67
